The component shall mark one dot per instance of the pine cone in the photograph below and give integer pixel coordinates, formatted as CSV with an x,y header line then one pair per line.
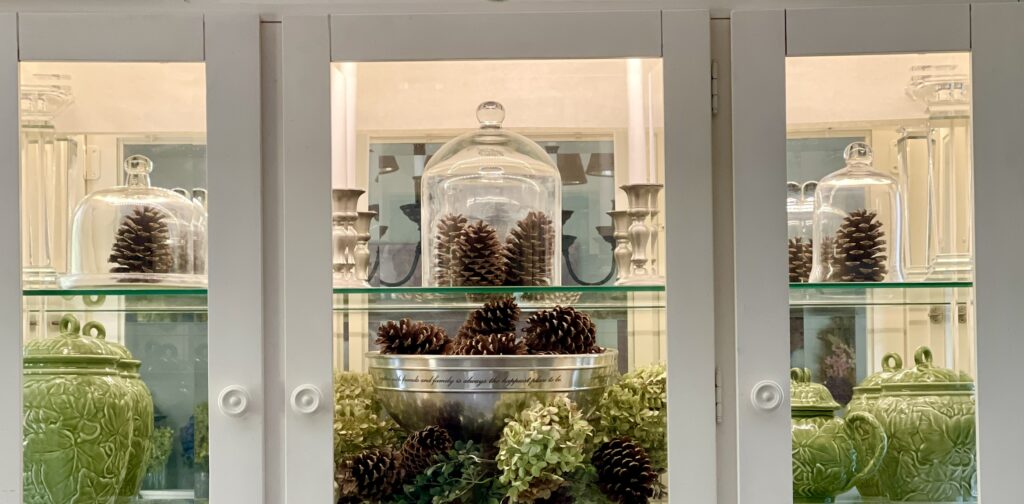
x,y
495,316
488,344
411,338
479,256
142,243
371,475
449,229
561,330
860,248
800,253
422,449
624,472
530,248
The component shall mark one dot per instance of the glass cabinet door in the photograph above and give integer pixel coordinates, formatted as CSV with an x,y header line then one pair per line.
x,y
888,351
475,268
139,314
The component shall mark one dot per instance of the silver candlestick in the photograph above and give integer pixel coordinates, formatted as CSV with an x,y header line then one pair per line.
x,y
362,249
344,235
643,233
623,253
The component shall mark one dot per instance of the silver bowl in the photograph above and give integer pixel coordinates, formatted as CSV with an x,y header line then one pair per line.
x,y
472,396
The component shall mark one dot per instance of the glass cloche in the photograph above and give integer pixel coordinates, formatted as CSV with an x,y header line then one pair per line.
x,y
136,235
492,206
858,214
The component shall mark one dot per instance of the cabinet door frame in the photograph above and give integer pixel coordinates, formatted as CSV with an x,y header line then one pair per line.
x,y
310,43
761,41
229,45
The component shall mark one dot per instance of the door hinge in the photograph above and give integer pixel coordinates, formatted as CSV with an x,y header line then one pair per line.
x,y
714,87
719,408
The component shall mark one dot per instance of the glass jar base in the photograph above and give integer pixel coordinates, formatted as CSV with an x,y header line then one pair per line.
x,y
139,281
951,267
38,277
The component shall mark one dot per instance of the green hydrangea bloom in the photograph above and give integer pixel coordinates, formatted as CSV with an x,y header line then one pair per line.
x,y
541,445
160,441
359,420
637,407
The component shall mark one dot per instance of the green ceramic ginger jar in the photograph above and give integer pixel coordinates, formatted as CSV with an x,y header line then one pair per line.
x,y
77,420
142,413
826,460
928,414
865,399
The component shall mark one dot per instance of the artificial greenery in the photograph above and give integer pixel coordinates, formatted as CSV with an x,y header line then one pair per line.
x,y
160,441
463,476
359,420
202,434
637,406
540,446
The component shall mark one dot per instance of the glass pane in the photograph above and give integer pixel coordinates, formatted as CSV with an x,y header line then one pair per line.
x,y
882,339
113,164
482,289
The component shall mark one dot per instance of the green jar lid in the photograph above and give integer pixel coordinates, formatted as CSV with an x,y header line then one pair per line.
x,y
807,396
69,344
96,330
925,376
892,364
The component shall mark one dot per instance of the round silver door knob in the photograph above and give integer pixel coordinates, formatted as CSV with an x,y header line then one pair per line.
x,y
306,399
767,395
233,400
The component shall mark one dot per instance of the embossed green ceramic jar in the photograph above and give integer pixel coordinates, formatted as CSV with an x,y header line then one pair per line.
x,y
928,414
826,461
865,399
142,413
77,420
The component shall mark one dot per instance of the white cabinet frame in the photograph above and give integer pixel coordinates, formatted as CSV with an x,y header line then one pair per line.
x,y
229,44
760,42
310,43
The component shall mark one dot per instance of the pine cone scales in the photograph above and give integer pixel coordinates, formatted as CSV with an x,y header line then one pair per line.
x,y
449,229
479,257
142,243
800,259
561,330
860,249
530,248
489,344
494,317
411,338
624,472
369,476
422,449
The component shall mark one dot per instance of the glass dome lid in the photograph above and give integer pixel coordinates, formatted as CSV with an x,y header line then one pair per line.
x,y
491,209
491,147
136,235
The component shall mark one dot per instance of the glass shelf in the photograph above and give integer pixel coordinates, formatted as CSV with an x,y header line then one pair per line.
x,y
433,299
116,300
878,294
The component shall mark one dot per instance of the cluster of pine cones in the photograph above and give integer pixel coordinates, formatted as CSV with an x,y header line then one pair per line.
x,y
472,254
374,474
491,330
855,254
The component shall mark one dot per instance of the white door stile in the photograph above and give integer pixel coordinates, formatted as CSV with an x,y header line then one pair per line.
x,y
759,240
111,37
235,300
306,230
690,283
10,270
998,69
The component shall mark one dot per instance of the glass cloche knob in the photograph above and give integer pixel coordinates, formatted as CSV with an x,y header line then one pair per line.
x,y
490,114
858,153
138,165
137,169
